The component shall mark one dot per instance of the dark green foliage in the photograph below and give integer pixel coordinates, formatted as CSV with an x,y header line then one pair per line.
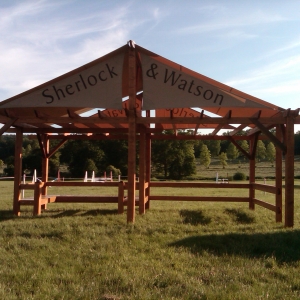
x,y
297,143
82,156
116,154
174,158
239,176
205,157
115,171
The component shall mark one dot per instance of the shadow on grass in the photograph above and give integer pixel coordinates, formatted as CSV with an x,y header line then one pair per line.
x,y
283,246
241,216
194,217
6,215
81,213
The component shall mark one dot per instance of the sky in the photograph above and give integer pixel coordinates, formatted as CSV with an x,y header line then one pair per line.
x,y
253,46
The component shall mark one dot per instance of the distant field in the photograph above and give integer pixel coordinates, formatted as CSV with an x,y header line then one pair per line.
x,y
175,251
263,169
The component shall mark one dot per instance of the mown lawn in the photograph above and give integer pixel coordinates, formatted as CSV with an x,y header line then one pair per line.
x,y
181,250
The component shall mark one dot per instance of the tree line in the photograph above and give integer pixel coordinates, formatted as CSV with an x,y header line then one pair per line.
x,y
172,159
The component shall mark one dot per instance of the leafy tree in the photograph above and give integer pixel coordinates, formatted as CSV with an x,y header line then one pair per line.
x,y
205,156
223,159
244,145
214,147
173,158
78,153
9,170
33,161
115,171
271,152
232,151
7,147
90,166
260,150
197,148
183,163
162,155
116,154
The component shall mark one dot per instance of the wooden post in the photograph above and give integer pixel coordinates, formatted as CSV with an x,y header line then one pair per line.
x,y
45,166
148,168
289,172
253,143
131,134
121,197
37,207
278,176
17,171
142,170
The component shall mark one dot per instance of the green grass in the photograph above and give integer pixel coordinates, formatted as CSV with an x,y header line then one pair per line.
x,y
181,250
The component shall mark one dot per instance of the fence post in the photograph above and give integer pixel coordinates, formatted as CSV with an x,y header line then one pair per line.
x,y
37,198
121,197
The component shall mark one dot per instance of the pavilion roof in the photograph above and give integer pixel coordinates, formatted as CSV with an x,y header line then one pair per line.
x,y
94,95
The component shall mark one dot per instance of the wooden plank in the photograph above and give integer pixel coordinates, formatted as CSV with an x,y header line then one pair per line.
x,y
27,186
81,183
199,185
265,188
265,204
207,121
289,172
196,198
87,199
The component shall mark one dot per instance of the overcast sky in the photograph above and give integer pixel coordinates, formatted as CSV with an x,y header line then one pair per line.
x,y
253,46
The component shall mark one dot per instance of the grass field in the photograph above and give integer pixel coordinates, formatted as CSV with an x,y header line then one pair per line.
x,y
181,250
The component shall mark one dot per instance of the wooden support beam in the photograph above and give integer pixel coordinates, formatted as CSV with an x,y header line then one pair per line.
x,y
45,162
239,147
60,144
238,129
198,125
253,144
7,125
72,114
41,143
142,170
10,113
242,126
271,136
17,171
220,126
131,133
289,172
278,176
148,165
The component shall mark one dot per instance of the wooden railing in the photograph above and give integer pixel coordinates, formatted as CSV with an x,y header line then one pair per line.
x,y
40,201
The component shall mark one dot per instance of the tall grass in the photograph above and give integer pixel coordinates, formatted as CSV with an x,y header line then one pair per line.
x,y
181,250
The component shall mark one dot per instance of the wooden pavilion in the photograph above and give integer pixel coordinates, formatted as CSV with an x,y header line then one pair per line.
x,y
135,94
